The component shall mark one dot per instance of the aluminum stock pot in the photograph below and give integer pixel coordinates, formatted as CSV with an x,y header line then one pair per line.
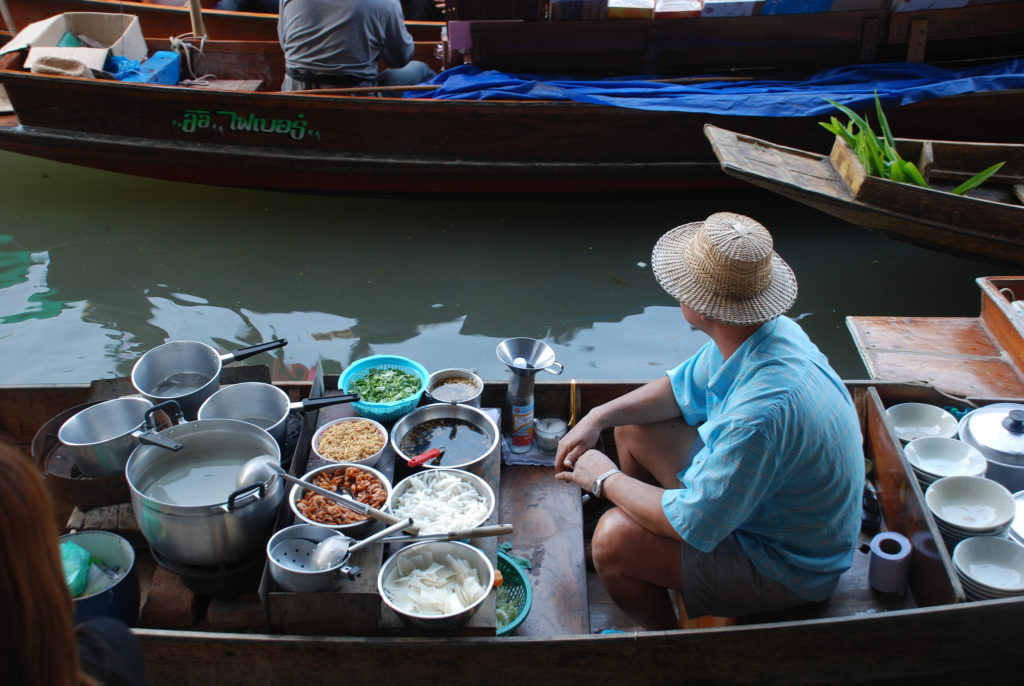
x,y
997,431
187,372
186,502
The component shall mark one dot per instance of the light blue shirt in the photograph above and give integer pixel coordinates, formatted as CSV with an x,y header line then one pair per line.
x,y
783,462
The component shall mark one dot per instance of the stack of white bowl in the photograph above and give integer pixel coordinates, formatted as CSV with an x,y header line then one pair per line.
x,y
915,420
989,567
935,457
970,506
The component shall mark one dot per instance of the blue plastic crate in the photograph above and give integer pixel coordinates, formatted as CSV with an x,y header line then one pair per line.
x,y
384,412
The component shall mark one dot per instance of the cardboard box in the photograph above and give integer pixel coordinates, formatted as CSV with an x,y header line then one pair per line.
x,y
630,9
795,6
677,9
731,8
105,34
917,5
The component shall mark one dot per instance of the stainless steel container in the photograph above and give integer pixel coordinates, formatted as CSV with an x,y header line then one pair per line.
x,y
186,503
102,437
262,404
478,418
438,551
997,431
455,386
187,372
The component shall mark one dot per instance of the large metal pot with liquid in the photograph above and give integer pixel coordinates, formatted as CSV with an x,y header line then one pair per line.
x,y
186,502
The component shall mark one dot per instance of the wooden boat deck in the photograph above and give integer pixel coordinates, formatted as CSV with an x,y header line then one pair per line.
x,y
971,357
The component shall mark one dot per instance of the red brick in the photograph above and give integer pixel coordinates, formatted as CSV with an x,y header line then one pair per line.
x,y
170,604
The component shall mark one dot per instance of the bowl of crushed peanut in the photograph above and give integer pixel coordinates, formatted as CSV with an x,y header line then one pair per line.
x,y
348,441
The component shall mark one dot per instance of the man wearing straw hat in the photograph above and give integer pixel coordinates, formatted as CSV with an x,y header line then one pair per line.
x,y
741,471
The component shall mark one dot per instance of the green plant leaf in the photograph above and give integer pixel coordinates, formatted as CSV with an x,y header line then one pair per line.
x,y
883,123
914,174
977,179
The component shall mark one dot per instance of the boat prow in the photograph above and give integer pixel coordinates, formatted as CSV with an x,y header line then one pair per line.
x,y
987,225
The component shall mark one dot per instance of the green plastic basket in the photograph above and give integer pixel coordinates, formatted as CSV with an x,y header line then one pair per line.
x,y
519,592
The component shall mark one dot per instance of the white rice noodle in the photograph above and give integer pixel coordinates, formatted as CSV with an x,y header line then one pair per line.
x,y
421,585
440,502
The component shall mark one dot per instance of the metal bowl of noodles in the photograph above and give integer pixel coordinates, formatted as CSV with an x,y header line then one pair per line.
x,y
409,584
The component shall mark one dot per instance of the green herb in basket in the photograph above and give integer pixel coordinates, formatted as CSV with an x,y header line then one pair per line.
x,y
386,385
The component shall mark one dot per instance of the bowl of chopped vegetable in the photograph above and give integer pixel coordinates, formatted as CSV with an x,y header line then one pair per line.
x,y
515,597
436,585
389,386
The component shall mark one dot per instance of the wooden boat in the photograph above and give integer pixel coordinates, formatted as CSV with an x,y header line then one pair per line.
x,y
985,224
160,19
858,636
981,357
353,141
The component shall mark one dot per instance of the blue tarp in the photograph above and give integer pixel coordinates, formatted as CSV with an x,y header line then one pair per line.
x,y
854,86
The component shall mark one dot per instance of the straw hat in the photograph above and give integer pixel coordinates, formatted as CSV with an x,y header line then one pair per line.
x,y
725,269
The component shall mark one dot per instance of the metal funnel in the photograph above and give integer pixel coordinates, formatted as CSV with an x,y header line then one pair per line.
x,y
528,355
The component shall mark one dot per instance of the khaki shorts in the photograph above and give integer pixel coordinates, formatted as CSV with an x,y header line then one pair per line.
x,y
725,583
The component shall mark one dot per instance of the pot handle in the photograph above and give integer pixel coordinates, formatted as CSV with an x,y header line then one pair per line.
x,y
261,489
242,353
175,413
314,403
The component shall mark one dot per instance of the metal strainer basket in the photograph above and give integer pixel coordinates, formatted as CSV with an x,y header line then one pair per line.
x,y
520,595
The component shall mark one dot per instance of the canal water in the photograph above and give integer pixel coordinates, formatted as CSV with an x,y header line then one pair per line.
x,y
97,268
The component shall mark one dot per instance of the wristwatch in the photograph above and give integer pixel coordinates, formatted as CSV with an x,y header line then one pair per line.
x,y
599,481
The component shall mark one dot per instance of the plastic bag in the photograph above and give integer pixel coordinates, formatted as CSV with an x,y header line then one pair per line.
x,y
75,559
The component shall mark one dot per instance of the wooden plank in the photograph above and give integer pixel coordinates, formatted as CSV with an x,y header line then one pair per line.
x,y
548,518
955,354
1004,324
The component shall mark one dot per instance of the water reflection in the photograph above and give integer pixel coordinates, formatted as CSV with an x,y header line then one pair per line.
x,y
97,268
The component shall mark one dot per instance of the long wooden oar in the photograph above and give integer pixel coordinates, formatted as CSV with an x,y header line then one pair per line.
x,y
195,12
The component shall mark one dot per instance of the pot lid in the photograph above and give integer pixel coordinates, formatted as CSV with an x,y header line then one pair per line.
x,y
997,430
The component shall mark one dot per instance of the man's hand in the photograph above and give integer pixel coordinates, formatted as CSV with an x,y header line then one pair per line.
x,y
580,439
590,465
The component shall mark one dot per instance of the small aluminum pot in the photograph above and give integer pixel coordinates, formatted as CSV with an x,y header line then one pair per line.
x,y
289,561
474,416
186,502
101,437
262,404
187,372
455,386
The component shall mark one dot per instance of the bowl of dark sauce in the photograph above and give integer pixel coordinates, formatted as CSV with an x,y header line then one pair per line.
x,y
467,434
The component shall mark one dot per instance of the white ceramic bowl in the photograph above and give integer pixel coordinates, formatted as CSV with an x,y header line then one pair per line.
x,y
992,563
916,420
937,456
418,557
354,529
317,459
433,488
970,504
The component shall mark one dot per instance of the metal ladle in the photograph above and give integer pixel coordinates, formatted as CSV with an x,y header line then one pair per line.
x,y
334,550
262,467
